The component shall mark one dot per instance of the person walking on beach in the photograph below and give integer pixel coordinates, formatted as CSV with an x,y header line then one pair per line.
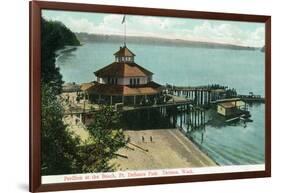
x,y
151,139
142,138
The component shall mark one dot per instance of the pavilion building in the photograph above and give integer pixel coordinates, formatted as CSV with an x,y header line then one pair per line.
x,y
124,81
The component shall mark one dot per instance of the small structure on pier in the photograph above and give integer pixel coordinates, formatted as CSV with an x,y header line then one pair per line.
x,y
124,81
231,107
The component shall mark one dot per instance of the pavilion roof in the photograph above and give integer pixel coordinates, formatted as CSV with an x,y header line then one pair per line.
x,y
121,69
124,90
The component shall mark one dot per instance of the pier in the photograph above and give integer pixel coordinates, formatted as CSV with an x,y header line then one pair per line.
x,y
161,127
178,111
184,108
252,98
200,95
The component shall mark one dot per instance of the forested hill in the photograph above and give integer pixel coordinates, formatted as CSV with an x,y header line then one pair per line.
x,y
86,37
57,34
54,36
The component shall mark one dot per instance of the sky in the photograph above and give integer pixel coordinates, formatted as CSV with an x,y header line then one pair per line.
x,y
219,31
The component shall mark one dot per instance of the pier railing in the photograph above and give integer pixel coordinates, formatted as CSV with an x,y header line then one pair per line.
x,y
200,95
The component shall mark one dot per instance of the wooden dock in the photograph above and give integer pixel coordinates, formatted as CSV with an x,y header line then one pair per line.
x,y
252,98
179,110
184,107
200,95
174,102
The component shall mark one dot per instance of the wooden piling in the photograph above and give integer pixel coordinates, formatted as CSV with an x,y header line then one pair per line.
x,y
201,93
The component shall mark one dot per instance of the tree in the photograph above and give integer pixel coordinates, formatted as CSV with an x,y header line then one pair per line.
x,y
106,138
55,35
59,146
62,151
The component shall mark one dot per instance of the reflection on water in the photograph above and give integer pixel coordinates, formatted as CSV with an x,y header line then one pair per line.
x,y
236,143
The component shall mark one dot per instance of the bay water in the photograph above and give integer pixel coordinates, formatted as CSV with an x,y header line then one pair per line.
x,y
242,70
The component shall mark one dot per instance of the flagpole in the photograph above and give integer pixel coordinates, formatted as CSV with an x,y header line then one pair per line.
x,y
124,21
125,34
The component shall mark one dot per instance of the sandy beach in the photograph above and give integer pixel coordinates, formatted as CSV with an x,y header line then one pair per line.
x,y
168,149
151,149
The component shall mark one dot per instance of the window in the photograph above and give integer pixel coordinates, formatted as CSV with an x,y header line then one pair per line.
x,y
112,80
134,81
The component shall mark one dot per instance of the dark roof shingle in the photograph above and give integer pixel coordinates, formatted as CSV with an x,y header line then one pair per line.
x,y
121,69
109,89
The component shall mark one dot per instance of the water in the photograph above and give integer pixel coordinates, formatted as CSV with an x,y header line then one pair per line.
x,y
239,69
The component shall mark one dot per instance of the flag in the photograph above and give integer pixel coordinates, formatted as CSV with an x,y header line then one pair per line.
x,y
124,19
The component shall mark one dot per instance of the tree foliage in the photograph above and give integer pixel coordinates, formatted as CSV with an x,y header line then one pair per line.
x,y
64,153
59,146
61,151
54,36
106,137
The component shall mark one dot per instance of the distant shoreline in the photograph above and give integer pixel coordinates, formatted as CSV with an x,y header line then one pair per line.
x,y
85,37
